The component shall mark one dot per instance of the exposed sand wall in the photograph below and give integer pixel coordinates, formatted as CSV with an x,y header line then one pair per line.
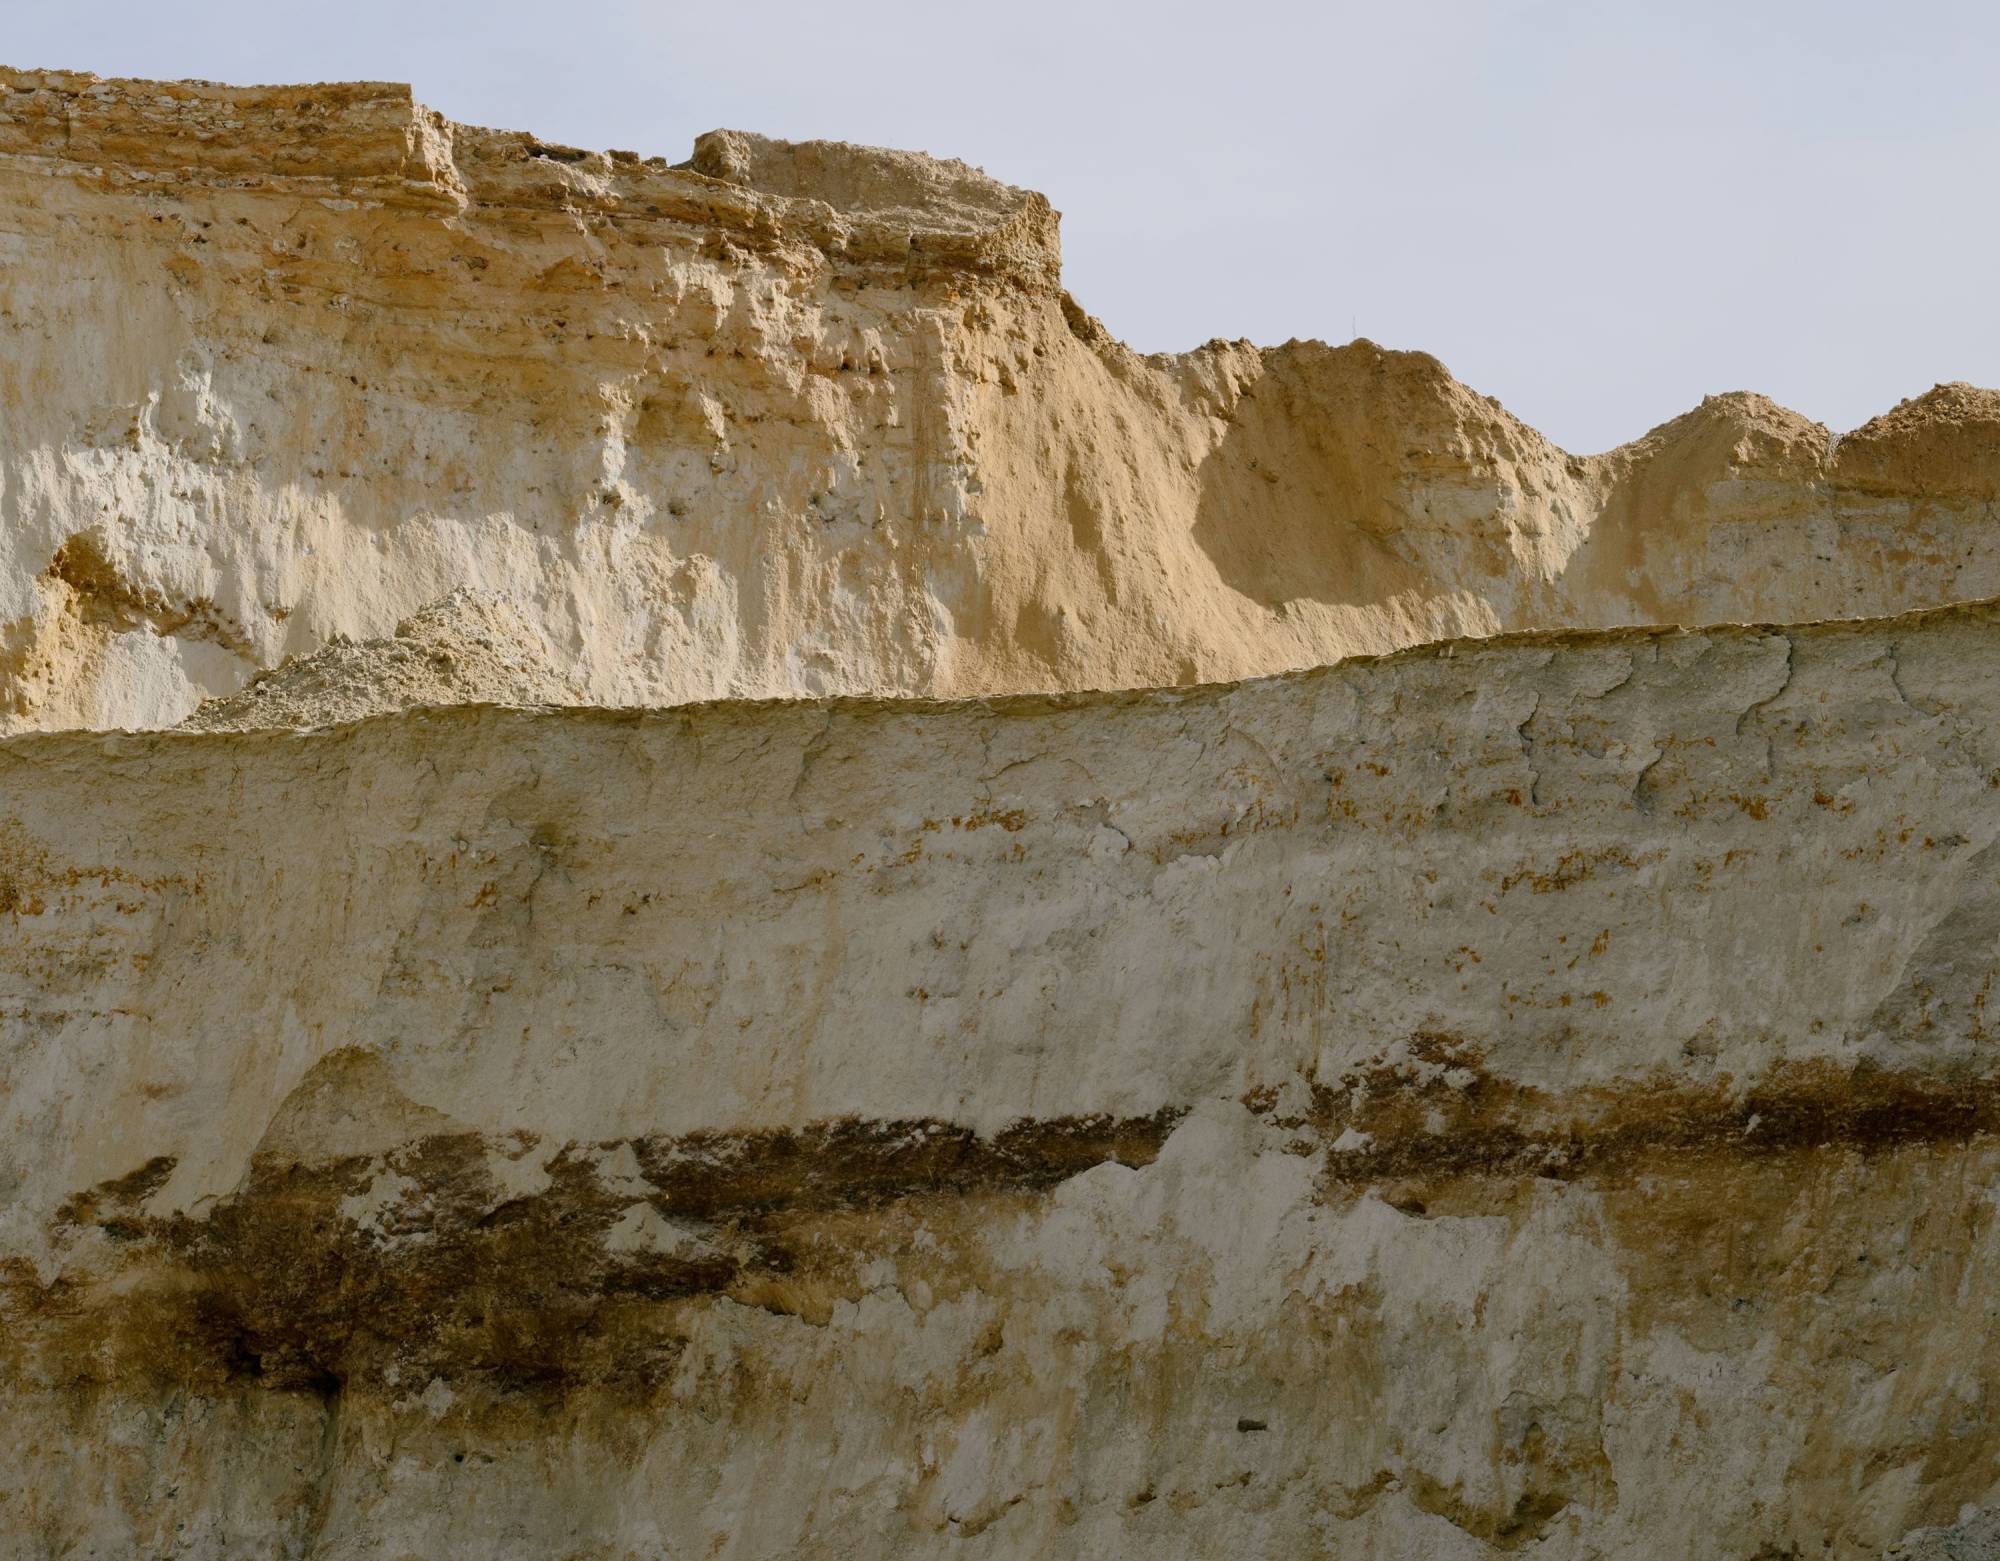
x,y
1524,1093
284,364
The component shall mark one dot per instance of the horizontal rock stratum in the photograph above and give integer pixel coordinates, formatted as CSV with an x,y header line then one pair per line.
x,y
1509,1075
1523,1093
283,364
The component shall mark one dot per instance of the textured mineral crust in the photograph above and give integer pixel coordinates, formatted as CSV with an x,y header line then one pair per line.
x,y
1506,1075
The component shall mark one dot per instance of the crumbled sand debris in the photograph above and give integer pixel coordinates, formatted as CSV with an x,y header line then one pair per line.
x,y
465,649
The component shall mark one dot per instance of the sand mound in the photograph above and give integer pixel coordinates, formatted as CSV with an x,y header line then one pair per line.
x,y
465,649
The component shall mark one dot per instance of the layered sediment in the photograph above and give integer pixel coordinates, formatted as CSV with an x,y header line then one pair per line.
x,y
1533,1092
286,364
1484,1055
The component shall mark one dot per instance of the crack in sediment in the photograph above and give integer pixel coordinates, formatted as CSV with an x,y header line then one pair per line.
x,y
1528,749
1791,670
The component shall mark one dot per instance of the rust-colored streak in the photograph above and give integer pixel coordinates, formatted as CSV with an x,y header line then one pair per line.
x,y
1436,1111
283,1287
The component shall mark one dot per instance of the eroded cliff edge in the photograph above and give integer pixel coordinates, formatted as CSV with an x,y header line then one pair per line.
x,y
1531,1093
280,365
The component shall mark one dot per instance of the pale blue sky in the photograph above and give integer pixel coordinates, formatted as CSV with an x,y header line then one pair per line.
x,y
1595,211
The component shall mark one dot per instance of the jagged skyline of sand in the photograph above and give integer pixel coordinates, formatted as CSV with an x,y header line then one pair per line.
x,y
1597,219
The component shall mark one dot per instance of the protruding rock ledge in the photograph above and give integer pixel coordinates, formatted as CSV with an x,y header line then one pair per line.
x,y
373,141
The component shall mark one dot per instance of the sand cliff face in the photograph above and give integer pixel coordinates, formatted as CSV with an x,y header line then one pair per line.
x,y
284,364
1524,1095
1518,1094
